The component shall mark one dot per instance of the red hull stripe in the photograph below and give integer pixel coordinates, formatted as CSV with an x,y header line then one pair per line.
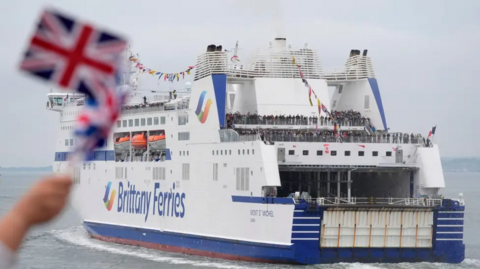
x,y
180,249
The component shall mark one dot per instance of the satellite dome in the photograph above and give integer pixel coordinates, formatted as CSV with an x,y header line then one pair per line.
x,y
188,86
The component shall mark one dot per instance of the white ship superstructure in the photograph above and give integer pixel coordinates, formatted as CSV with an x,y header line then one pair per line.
x,y
241,166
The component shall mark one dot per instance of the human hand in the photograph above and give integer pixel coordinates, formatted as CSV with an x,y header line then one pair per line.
x,y
44,201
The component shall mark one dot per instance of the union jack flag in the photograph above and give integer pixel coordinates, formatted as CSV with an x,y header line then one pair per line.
x,y
71,54
76,56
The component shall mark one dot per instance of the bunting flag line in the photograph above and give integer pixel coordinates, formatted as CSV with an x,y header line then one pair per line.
x,y
321,107
77,56
168,76
310,95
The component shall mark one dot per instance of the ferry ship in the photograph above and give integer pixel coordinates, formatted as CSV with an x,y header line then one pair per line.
x,y
239,165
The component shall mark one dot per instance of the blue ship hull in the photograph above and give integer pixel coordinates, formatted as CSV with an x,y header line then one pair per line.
x,y
447,249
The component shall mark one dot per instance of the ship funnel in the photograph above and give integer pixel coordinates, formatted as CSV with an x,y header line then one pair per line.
x,y
354,53
211,48
365,52
218,48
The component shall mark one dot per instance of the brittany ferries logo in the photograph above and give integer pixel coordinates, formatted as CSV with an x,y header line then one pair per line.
x,y
203,114
109,202
130,200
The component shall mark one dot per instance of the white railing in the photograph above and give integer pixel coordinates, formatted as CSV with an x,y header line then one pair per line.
x,y
263,63
357,67
427,202
230,135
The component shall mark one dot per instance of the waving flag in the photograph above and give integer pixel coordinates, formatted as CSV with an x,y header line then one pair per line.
x,y
76,56
71,54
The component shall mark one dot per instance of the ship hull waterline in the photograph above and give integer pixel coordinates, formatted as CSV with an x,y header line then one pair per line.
x,y
261,253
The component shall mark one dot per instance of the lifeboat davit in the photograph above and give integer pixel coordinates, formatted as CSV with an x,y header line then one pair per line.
x,y
157,142
139,141
122,143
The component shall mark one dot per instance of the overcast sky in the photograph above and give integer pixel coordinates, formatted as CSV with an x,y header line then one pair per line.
x,y
425,56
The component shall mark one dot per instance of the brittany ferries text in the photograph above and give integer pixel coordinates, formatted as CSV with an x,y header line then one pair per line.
x,y
132,201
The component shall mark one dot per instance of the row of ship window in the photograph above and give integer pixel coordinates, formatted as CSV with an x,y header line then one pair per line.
x,y
229,152
71,113
158,173
242,174
65,128
141,122
346,153
92,156
70,142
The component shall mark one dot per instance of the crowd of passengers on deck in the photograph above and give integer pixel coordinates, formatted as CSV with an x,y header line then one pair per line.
x,y
346,118
269,135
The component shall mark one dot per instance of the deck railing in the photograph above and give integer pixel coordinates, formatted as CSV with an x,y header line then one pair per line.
x,y
291,137
293,121
326,201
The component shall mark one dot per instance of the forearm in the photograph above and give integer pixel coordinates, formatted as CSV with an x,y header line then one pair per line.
x,y
13,229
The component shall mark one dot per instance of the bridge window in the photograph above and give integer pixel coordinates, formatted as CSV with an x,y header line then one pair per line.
x,y
162,120
389,153
137,122
305,152
347,153
319,152
367,101
248,152
253,152
213,152
361,153
119,124
291,152
375,153
149,121
334,103
142,122
155,120
71,141
333,153
230,152
124,123
130,123
340,89
66,142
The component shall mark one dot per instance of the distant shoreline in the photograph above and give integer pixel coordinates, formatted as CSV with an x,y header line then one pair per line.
x,y
27,169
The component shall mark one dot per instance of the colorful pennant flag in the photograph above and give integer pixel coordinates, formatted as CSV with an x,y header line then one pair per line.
x,y
168,76
311,91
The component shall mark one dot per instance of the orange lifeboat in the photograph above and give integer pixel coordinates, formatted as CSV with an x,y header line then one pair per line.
x,y
157,142
122,143
139,141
